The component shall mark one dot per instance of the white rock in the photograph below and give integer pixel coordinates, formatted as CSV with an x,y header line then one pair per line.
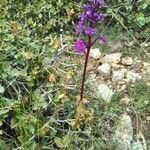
x,y
125,101
104,92
121,88
112,58
118,75
133,77
137,146
148,118
95,53
146,67
104,70
124,133
146,44
127,61
145,64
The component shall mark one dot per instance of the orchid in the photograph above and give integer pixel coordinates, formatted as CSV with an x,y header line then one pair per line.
x,y
87,27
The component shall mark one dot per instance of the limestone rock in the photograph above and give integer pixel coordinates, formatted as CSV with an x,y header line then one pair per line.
x,y
118,75
104,92
137,146
125,101
145,65
121,86
124,133
148,118
104,70
95,53
133,77
112,58
127,61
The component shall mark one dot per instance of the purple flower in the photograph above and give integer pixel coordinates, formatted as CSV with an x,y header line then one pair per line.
x,y
87,24
89,13
87,7
90,31
101,3
98,3
80,46
79,27
98,17
83,17
103,39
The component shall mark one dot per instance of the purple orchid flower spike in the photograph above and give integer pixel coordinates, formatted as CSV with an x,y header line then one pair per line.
x,y
80,46
87,27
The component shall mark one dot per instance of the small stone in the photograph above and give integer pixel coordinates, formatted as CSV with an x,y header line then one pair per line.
x,y
125,101
124,133
127,61
148,118
137,146
133,77
146,44
104,92
111,58
145,64
121,86
138,65
95,53
146,67
118,75
104,70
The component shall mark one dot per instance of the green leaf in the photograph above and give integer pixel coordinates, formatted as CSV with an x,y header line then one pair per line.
x,y
141,19
66,140
14,123
4,111
59,142
2,89
1,123
1,132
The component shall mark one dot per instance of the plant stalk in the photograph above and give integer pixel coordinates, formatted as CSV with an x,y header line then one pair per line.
x,y
85,68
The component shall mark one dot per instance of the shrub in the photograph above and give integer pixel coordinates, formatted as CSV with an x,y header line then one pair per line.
x,y
41,16
133,15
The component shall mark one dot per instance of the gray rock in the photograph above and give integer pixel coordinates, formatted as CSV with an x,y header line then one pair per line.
x,y
104,70
124,133
127,61
112,58
118,75
137,146
104,92
133,77
95,53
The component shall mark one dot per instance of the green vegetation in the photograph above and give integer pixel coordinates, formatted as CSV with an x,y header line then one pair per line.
x,y
40,79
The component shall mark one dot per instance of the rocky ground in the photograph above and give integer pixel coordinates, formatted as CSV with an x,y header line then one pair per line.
x,y
115,72
112,74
